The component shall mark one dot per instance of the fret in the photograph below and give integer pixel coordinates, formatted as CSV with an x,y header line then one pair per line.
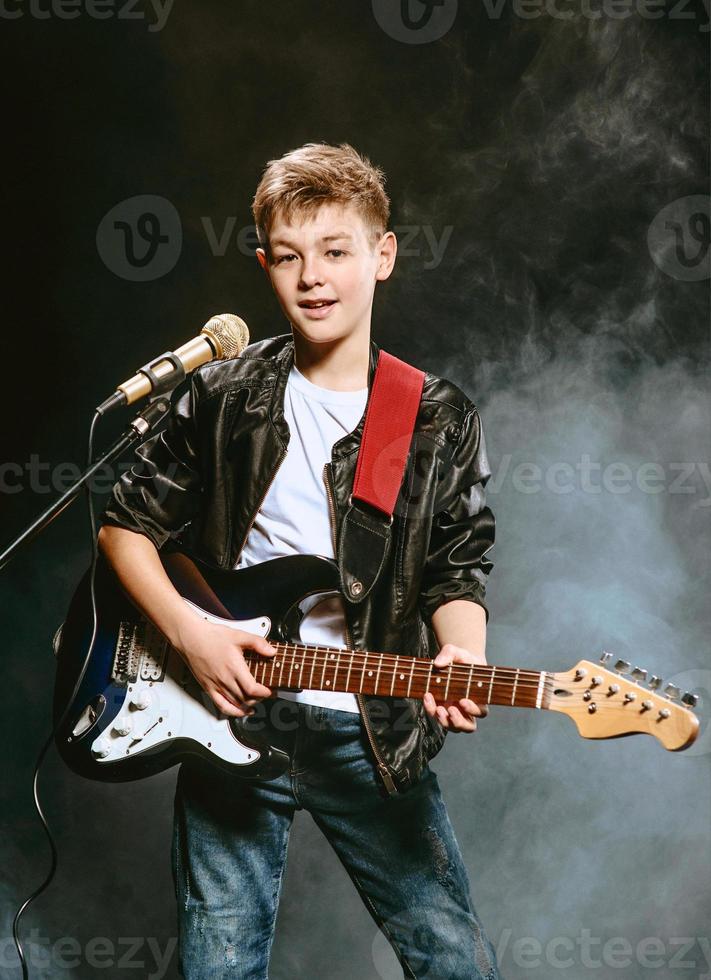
x,y
280,682
449,678
491,685
412,671
469,682
392,682
291,667
271,675
377,675
338,664
513,693
348,675
362,673
313,664
323,672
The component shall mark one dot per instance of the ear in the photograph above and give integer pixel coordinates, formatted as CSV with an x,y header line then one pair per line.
x,y
386,252
263,260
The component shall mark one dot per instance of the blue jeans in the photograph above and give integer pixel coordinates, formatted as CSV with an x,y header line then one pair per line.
x,y
230,841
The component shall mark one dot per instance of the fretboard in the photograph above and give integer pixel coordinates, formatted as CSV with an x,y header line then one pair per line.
x,y
397,675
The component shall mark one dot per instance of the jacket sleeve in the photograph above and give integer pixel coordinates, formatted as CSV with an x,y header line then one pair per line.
x,y
161,492
462,528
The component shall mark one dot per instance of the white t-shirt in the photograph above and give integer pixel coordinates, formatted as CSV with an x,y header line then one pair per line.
x,y
294,518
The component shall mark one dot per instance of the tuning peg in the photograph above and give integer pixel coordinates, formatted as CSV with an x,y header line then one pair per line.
x,y
605,657
639,674
672,692
690,699
622,666
655,682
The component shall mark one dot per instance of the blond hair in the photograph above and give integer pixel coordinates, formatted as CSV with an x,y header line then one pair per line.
x,y
318,173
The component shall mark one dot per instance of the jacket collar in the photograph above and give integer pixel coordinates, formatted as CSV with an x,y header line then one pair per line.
x,y
284,361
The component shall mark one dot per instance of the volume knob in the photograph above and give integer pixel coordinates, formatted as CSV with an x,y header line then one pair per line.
x,y
141,700
123,726
101,749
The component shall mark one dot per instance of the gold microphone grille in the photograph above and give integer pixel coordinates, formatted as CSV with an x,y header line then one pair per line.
x,y
229,334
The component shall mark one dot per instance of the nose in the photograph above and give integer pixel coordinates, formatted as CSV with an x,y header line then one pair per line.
x,y
311,273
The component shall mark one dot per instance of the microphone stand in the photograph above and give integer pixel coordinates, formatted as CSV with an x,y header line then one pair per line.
x,y
137,430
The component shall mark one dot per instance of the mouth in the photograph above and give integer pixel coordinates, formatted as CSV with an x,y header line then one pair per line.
x,y
315,304
317,309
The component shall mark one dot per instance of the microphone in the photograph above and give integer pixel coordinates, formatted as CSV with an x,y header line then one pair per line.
x,y
224,335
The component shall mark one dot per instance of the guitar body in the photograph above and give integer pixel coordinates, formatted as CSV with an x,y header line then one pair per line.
x,y
139,710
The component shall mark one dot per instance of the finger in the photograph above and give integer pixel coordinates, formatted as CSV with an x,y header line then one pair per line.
x,y
252,641
228,707
472,708
430,704
250,688
442,716
445,656
459,722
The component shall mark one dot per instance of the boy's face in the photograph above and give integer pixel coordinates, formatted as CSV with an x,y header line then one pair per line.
x,y
329,256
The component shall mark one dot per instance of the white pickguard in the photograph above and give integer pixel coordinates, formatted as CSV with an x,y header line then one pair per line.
x,y
166,703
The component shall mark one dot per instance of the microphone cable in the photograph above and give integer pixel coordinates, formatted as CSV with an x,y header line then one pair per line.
x,y
43,751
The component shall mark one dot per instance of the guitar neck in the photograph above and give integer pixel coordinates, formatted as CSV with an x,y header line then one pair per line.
x,y
396,675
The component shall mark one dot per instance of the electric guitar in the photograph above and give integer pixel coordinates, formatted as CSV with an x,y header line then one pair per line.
x,y
139,710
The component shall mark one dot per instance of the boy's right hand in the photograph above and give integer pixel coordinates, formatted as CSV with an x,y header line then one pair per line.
x,y
214,655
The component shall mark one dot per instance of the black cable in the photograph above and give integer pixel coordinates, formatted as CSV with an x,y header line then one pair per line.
x,y
43,751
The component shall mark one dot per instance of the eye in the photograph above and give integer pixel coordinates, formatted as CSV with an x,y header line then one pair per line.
x,y
283,258
337,252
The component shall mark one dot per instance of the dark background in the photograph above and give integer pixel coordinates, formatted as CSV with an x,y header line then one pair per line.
x,y
540,151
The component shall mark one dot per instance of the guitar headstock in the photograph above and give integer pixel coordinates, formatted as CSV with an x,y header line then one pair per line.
x,y
606,703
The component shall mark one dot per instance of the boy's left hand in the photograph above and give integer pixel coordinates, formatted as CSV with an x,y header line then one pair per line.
x,y
456,716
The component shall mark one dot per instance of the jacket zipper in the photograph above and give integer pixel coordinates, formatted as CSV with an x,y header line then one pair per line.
x,y
382,767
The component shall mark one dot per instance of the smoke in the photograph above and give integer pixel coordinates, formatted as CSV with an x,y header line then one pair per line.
x,y
535,154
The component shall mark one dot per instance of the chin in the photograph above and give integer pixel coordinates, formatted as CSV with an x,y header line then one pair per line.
x,y
319,333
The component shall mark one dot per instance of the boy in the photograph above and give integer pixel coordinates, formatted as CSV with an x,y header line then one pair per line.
x,y
257,461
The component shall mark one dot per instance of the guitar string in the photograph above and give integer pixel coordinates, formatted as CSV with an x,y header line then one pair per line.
x,y
460,674
499,682
325,653
479,672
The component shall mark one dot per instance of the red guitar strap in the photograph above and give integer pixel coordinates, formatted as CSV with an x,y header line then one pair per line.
x,y
365,534
389,424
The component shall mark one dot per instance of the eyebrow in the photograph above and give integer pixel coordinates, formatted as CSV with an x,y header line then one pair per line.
x,y
342,236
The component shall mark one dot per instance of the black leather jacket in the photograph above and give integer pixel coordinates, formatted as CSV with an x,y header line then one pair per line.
x,y
199,484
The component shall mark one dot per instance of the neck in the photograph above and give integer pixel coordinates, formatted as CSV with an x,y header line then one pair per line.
x,y
340,365
296,665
